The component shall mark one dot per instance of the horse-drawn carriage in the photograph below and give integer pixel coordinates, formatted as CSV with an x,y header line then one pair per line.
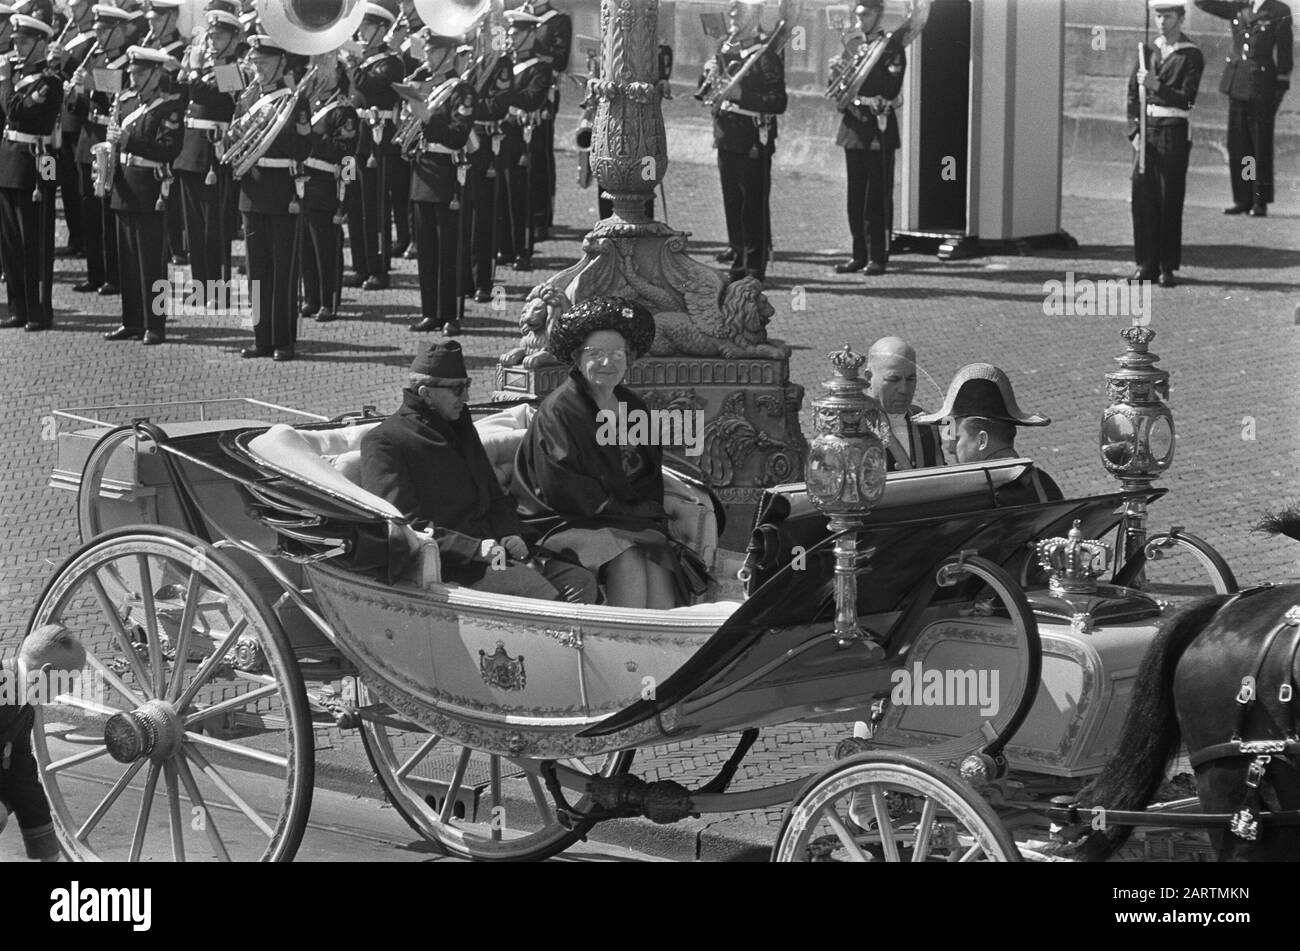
x,y
237,591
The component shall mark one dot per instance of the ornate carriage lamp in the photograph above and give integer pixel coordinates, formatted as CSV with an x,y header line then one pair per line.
x,y
1137,431
845,478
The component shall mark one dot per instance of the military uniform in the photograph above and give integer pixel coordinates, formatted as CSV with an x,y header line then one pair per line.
x,y
1173,78
744,133
75,53
95,109
378,163
174,45
868,133
152,135
435,192
553,39
33,104
335,128
519,154
1255,77
485,183
207,189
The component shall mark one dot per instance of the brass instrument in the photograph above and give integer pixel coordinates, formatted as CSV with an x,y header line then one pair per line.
x,y
104,155
720,90
848,79
451,17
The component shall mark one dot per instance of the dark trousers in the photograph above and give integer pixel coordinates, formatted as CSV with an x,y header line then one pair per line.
x,y
70,188
1158,198
142,241
504,211
209,224
521,209
20,791
871,182
544,175
439,251
744,201
1250,136
358,247
481,214
320,259
175,218
27,252
399,198
273,278
372,243
100,230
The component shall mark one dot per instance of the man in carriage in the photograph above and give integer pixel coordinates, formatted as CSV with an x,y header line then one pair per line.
x,y
428,461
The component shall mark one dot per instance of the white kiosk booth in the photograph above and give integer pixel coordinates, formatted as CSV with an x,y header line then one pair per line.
x,y
981,129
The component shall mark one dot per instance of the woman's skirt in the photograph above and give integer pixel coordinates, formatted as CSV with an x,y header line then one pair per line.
x,y
593,548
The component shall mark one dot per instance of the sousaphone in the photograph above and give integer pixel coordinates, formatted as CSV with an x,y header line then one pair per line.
x,y
451,17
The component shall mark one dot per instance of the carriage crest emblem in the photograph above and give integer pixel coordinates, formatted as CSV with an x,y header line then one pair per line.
x,y
502,671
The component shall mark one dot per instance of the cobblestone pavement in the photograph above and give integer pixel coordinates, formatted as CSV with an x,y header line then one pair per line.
x,y
1227,334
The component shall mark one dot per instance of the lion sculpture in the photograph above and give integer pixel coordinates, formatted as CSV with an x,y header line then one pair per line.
x,y
736,327
543,306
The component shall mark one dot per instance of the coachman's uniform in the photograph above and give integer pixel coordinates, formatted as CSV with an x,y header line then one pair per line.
x,y
1173,77
436,193
152,135
207,189
335,128
521,151
1256,75
868,134
376,102
744,133
33,104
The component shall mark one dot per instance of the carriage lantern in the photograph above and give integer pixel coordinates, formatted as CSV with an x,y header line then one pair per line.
x,y
1137,430
845,477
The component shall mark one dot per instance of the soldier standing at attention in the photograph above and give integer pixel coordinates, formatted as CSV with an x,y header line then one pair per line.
x,y
148,140
744,133
335,128
164,35
521,147
869,136
553,44
32,96
1256,76
66,57
1170,77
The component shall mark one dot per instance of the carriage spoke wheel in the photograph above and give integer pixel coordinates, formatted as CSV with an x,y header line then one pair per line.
x,y
475,804
187,735
891,807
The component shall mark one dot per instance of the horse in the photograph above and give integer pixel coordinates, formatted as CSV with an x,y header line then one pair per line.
x,y
1193,685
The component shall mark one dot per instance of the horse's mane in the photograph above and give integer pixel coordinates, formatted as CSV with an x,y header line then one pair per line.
x,y
1285,522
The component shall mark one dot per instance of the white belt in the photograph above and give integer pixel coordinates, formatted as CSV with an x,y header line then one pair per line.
x,y
13,135
136,161
1167,112
206,124
438,149
729,106
275,163
322,165
385,114
523,115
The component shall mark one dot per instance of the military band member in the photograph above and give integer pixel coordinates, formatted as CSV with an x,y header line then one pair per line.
x,y
369,201
78,39
409,24
148,139
163,34
1171,77
207,189
436,190
335,129
744,133
266,196
868,134
521,148
1256,76
486,182
32,96
554,44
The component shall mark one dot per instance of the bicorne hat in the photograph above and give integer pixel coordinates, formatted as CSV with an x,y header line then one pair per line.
x,y
445,362
982,389
628,318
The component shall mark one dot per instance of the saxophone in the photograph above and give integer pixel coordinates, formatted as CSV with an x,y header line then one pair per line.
x,y
104,155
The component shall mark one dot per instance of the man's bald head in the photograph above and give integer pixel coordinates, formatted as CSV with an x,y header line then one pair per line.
x,y
892,363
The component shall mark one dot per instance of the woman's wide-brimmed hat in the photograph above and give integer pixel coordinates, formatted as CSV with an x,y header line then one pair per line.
x,y
981,389
628,318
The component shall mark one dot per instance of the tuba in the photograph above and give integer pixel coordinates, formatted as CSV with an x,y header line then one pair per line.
x,y
453,17
846,81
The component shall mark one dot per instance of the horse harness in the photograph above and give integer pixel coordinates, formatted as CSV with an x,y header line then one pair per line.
x,y
1245,821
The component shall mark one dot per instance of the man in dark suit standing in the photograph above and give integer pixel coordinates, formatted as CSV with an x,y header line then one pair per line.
x,y
1256,76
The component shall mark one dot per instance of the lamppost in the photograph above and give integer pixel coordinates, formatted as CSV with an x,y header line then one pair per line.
x,y
845,478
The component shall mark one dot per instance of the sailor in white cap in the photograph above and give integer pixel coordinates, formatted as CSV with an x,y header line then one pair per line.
x,y
164,17
522,149
554,43
33,98
149,139
66,54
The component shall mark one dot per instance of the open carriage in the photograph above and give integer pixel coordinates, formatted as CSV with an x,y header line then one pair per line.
x,y
237,590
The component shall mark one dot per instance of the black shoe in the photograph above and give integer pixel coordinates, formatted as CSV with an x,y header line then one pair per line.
x,y
249,353
306,310
1144,274
108,290
483,297
451,328
1167,279
180,260
13,323
875,268
153,337
282,355
400,249
848,267
1236,210
355,280
376,282
124,333
324,315
722,257
524,262
1258,210
427,325
34,326
411,253
85,287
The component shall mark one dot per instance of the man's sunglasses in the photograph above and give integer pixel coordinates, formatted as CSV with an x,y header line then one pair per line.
x,y
460,389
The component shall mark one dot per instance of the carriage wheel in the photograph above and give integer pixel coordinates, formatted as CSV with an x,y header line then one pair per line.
x,y
474,804
189,680
891,807
90,505
1132,575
